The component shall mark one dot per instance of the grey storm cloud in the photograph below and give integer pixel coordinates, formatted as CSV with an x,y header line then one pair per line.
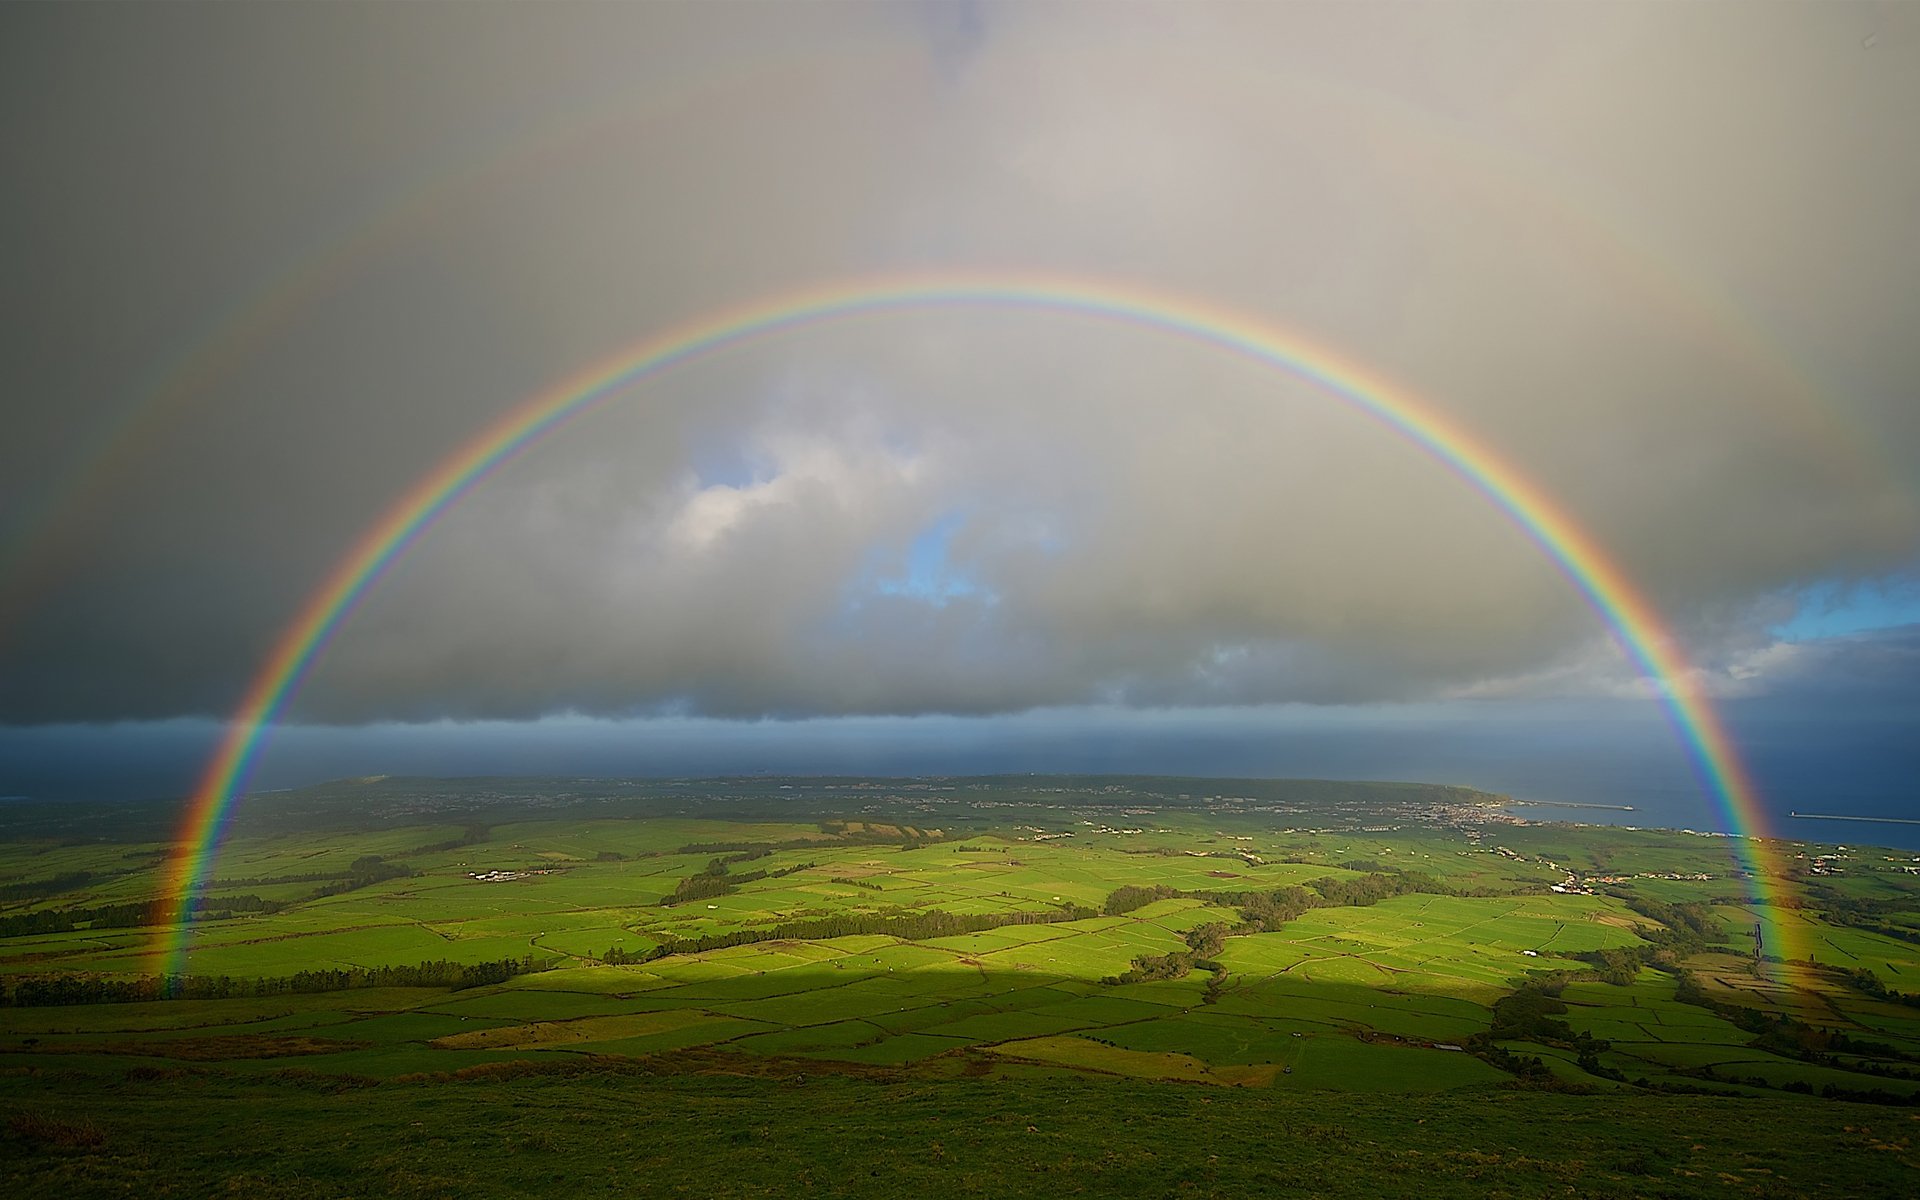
x,y
1874,671
270,265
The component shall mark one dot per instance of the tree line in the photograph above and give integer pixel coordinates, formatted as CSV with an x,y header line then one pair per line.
x,y
363,872
38,992
1864,912
1862,979
35,889
1266,910
1790,1037
133,915
1690,923
908,925
1260,912
1203,942
717,881
1531,1013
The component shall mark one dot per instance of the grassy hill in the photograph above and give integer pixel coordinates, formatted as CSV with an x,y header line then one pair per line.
x,y
1030,985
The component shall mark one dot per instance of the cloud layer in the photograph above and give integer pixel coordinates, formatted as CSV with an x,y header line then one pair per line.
x,y
285,260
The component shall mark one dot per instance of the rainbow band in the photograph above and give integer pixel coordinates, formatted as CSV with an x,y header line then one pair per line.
x,y
1628,613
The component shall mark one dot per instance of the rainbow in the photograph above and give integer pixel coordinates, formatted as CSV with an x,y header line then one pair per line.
x,y
1630,615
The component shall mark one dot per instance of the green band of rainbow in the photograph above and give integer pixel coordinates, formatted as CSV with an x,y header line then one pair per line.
x,y
1631,616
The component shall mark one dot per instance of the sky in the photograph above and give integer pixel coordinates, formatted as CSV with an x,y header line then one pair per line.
x,y
270,265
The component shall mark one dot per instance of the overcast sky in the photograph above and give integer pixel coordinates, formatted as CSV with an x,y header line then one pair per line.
x,y
269,264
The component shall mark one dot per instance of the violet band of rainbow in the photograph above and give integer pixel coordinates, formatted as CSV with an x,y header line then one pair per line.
x,y
1632,618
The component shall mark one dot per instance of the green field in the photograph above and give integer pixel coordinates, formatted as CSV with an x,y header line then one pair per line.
x,y
959,952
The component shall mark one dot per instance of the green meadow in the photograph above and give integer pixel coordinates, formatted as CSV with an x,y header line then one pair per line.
x,y
750,966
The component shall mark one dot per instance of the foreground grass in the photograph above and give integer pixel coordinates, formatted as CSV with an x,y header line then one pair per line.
x,y
682,1128
847,1046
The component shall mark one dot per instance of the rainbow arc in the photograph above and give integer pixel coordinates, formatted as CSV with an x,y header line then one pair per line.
x,y
1636,624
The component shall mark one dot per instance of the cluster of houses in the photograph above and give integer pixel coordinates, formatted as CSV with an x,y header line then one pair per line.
x,y
1576,885
1830,864
1112,829
1041,836
505,876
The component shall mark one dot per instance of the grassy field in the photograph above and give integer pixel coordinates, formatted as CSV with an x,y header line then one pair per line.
x,y
925,954
682,1129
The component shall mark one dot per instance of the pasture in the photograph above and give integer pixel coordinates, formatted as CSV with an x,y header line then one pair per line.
x,y
995,949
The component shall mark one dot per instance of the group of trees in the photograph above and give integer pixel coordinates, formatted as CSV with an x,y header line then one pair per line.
x,y
1867,913
1531,1014
1688,925
1203,942
1260,912
908,925
132,915
366,871
1528,1067
473,834
1864,980
1830,1091
745,851
1620,965
717,881
1782,1034
35,992
707,884
905,836
1265,911
35,889
1127,897
362,872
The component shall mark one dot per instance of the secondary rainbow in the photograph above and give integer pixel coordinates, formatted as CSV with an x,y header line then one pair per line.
x,y
1634,621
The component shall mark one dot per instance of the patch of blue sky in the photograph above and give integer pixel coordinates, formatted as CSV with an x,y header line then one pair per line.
x,y
927,570
726,463
1834,609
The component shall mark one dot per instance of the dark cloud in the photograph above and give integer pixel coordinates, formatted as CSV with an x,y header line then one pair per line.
x,y
1875,673
285,259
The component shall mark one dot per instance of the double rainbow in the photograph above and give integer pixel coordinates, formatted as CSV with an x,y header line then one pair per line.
x,y
1634,621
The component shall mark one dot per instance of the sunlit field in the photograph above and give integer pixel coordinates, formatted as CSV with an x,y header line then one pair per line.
x,y
1067,939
